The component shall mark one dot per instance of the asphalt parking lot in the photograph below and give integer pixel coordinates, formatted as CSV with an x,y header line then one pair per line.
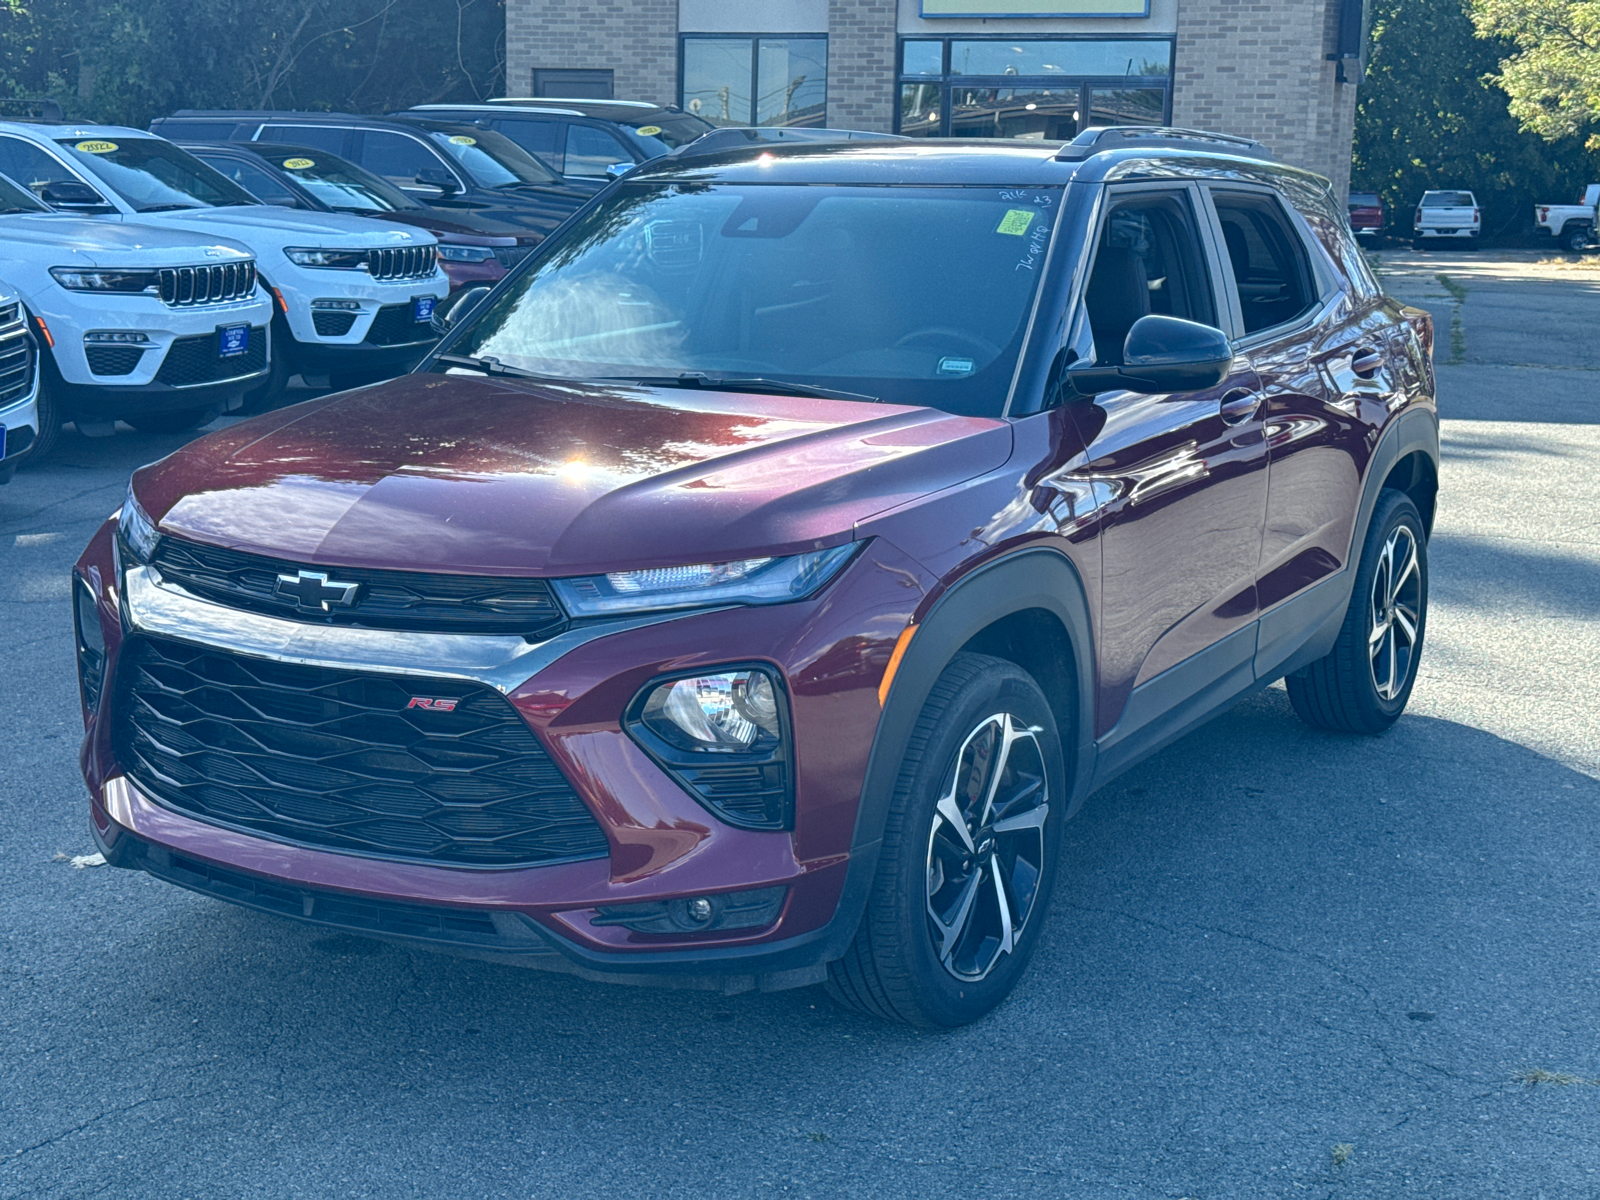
x,y
1280,962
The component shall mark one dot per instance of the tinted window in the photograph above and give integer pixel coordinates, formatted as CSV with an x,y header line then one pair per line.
x,y
323,137
1363,199
1270,267
14,199
197,131
258,181
833,286
396,157
536,135
153,175
1447,199
30,166
1148,261
590,151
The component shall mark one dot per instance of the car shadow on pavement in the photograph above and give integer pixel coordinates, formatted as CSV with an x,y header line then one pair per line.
x,y
1265,941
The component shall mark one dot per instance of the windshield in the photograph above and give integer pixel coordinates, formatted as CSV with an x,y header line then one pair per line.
x,y
153,175
15,198
662,133
1447,199
492,159
340,184
912,295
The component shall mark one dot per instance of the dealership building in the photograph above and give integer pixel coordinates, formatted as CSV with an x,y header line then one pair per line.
x,y
1283,71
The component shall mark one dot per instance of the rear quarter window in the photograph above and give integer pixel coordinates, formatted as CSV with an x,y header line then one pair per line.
x,y
1330,227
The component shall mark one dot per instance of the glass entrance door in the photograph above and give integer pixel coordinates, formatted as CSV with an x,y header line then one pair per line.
x,y
1046,113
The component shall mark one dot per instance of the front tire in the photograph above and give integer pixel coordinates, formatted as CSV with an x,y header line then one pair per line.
x,y
969,853
274,389
1363,685
51,419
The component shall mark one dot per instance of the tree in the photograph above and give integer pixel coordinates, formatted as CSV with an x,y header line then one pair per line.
x,y
1553,79
1427,118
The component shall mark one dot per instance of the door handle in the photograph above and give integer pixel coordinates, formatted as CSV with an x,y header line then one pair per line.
x,y
1366,361
1239,406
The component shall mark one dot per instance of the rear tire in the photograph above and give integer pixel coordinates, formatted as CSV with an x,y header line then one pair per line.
x,y
1575,240
173,422
1363,684
969,853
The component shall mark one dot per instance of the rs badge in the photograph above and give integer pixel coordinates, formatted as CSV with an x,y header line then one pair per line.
x,y
433,704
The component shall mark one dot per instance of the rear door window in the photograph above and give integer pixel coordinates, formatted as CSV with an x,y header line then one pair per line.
x,y
319,137
25,163
1271,271
1149,261
539,136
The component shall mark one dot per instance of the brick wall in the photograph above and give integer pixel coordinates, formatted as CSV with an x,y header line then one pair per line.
x,y
861,66
1258,68
637,39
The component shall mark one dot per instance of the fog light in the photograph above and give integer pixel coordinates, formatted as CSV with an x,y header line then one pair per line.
x,y
338,305
117,337
698,914
726,711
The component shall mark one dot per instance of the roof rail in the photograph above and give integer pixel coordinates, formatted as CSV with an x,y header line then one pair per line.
x,y
1099,139
734,137
573,100
47,107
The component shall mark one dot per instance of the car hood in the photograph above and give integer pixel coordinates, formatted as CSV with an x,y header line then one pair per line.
x,y
460,228
461,473
80,241
254,223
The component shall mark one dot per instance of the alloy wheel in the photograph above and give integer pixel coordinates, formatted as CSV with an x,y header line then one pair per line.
x,y
1396,613
986,847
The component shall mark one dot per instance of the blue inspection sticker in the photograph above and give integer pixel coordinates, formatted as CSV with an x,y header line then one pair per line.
x,y
422,308
232,340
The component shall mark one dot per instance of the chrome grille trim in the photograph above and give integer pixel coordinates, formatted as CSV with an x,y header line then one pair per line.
x,y
401,262
17,362
184,287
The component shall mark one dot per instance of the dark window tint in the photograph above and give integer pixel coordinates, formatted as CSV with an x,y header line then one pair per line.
x,y
30,166
198,131
534,134
1270,268
396,157
1363,199
321,137
259,182
590,151
1149,261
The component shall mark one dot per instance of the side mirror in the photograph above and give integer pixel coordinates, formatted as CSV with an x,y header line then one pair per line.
x,y
448,313
618,170
69,193
1161,354
443,180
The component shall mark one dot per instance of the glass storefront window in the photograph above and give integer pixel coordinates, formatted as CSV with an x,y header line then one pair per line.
x,y
922,58
1014,113
1127,106
919,109
1025,57
756,80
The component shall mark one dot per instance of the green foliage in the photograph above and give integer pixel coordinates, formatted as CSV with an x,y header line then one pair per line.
x,y
1428,116
129,61
1553,79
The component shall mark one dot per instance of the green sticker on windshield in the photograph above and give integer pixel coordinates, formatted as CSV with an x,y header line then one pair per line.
x,y
1015,222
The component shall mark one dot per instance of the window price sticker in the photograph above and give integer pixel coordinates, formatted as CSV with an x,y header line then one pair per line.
x,y
1015,222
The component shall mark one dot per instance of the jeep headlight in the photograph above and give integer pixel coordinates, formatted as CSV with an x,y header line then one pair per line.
x,y
704,585
316,256
126,282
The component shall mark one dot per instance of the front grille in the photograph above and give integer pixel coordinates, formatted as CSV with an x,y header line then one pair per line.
x,y
329,323
194,360
395,326
401,262
411,600
182,287
510,256
113,360
335,759
17,362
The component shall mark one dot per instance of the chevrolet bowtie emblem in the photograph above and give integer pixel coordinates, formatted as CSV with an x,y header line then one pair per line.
x,y
313,589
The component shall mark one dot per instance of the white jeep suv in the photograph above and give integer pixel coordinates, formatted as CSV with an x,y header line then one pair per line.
x,y
159,327
355,296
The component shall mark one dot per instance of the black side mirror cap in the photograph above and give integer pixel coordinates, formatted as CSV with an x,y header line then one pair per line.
x,y
1160,354
69,193
448,313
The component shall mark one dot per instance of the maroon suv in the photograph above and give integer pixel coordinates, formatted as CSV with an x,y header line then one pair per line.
x,y
747,590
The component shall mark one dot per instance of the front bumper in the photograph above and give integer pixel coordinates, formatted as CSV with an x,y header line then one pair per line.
x,y
174,384
571,690
1429,231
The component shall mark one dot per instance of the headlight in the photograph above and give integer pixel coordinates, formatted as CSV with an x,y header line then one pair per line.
x,y
723,734
465,254
133,282
704,585
136,532
339,260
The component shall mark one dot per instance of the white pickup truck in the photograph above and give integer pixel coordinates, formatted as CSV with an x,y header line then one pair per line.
x,y
1446,215
1572,225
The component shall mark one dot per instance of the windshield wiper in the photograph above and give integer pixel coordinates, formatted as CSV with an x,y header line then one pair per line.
x,y
490,365
754,383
